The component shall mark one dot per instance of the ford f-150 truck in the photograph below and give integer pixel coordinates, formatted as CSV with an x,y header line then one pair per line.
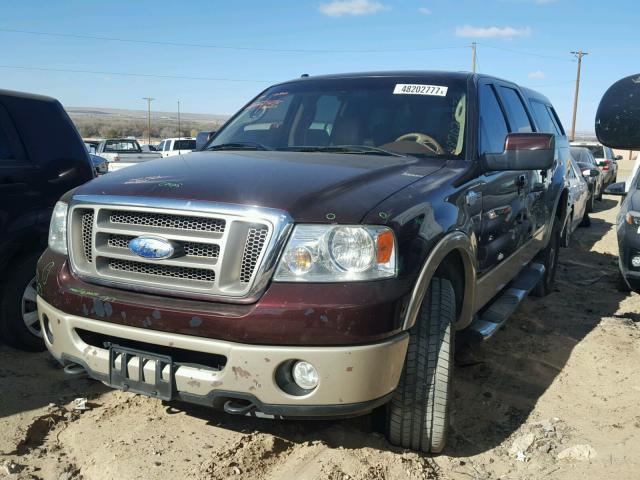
x,y
123,152
319,255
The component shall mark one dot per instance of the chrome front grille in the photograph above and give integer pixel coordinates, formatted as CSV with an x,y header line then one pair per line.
x,y
222,252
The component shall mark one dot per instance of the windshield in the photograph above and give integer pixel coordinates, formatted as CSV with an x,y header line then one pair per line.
x,y
416,116
597,150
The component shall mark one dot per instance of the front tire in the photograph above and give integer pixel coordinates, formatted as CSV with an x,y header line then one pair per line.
x,y
549,258
418,414
19,325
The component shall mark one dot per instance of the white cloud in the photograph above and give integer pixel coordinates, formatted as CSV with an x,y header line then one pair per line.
x,y
338,8
492,32
424,11
537,75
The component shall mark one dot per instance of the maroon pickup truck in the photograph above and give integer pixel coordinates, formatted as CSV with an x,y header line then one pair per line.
x,y
317,257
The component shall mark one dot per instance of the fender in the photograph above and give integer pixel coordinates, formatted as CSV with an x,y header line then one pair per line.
x,y
467,248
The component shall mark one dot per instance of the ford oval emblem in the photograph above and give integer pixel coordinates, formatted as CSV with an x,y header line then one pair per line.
x,y
154,248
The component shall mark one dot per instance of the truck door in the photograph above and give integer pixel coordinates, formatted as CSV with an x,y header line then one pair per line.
x,y
504,194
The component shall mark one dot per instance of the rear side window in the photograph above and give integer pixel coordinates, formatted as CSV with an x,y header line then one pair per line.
x,y
543,118
184,144
516,113
6,152
493,127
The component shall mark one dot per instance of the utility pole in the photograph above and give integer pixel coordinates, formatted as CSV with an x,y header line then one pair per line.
x,y
179,131
473,55
149,100
579,54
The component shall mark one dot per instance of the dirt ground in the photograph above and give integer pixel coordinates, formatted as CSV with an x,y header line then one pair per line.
x,y
555,394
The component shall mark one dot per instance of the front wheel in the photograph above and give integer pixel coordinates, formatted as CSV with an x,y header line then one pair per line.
x,y
19,324
549,258
418,414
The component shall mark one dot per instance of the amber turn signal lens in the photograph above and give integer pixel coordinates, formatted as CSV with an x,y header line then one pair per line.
x,y
385,246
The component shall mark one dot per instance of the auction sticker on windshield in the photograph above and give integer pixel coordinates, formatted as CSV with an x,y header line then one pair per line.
x,y
409,89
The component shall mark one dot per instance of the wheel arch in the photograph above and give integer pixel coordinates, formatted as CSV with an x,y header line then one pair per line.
x,y
454,257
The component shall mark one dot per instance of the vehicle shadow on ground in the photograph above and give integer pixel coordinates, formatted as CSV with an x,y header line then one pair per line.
x,y
497,383
29,381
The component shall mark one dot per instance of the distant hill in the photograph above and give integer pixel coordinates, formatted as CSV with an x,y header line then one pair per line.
x,y
121,113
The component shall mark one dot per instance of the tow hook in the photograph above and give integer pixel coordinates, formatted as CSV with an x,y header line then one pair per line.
x,y
74,369
238,407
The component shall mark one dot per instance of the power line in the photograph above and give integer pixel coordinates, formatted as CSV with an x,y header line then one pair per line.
x,y
521,52
219,47
128,74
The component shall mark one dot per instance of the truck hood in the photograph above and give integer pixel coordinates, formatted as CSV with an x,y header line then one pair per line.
x,y
312,187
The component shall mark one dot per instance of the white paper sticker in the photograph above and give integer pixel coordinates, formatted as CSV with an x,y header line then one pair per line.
x,y
410,89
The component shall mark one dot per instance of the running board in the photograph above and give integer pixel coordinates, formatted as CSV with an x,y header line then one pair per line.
x,y
496,313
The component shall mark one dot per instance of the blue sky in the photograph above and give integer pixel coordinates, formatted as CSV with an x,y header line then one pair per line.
x,y
328,36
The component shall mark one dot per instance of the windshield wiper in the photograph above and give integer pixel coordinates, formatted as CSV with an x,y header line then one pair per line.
x,y
239,146
348,149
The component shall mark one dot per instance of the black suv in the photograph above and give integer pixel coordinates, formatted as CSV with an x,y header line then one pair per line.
x,y
41,157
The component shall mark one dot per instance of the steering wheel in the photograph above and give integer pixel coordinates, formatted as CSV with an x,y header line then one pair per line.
x,y
423,139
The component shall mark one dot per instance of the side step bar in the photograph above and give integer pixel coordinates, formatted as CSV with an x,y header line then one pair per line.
x,y
496,313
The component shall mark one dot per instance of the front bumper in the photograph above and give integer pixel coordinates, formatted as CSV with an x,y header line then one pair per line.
x,y
353,379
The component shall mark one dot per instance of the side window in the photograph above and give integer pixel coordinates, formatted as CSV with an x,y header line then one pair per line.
x,y
493,127
6,151
543,118
160,146
556,120
516,113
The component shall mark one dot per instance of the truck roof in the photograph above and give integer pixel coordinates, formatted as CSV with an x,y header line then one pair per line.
x,y
432,74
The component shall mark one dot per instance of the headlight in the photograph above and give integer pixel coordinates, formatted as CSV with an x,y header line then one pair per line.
x,y
633,218
338,253
58,229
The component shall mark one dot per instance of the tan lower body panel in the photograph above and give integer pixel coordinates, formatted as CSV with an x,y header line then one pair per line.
x,y
348,374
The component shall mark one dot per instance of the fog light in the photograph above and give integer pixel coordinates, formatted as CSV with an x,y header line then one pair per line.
x,y
635,261
305,375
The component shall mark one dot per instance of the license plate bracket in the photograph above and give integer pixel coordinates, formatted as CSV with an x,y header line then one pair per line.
x,y
119,376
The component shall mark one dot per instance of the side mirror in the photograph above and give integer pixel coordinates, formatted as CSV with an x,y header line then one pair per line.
x,y
618,157
618,115
602,163
523,151
594,172
619,189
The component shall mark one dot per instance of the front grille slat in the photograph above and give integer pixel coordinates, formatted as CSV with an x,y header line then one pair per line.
x,y
161,220
87,235
218,254
186,273
252,249
190,249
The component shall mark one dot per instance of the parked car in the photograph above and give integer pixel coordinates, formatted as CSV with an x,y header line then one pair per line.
x,y
606,160
38,165
589,167
578,200
92,145
618,126
176,146
318,258
123,152
100,164
203,137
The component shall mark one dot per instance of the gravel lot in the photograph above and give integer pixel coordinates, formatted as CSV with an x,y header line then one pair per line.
x,y
555,394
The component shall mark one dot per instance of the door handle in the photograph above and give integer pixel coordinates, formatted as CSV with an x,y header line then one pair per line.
x,y
522,181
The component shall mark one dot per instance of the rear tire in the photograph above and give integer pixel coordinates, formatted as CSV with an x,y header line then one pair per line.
x,y
418,414
586,221
549,258
19,325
